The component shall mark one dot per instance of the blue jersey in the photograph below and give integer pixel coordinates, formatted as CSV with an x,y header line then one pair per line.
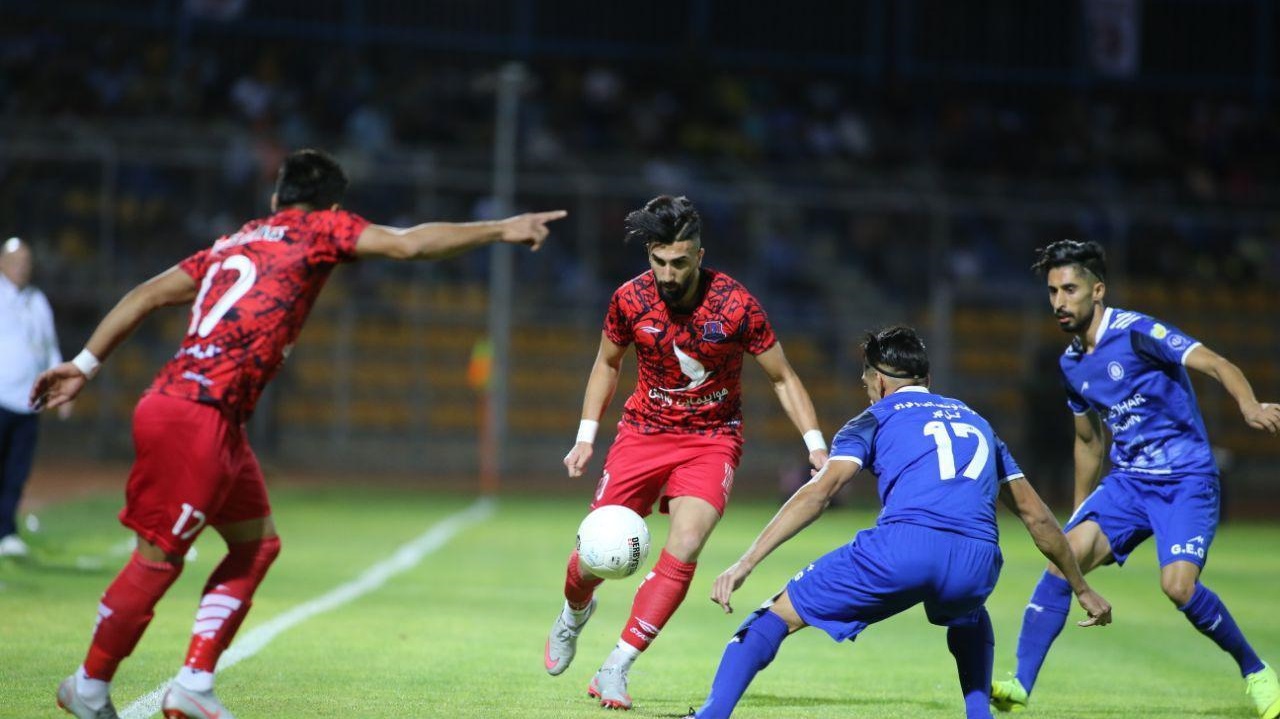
x,y
1135,379
939,463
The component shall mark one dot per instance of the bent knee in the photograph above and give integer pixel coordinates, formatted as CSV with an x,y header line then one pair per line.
x,y
1179,590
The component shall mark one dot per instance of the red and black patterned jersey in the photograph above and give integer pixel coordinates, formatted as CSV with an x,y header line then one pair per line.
x,y
256,288
690,364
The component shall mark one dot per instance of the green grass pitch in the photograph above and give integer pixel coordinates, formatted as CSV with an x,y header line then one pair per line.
x,y
461,634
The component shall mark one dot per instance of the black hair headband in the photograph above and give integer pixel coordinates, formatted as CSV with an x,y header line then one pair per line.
x,y
895,375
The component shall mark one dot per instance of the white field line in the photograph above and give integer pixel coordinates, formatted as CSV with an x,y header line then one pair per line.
x,y
405,558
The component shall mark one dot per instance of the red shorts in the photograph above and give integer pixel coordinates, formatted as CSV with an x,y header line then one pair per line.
x,y
639,466
193,468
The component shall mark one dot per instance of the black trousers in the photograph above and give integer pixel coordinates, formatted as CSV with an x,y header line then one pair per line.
x,y
18,432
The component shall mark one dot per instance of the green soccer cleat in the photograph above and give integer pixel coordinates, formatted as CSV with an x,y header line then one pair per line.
x,y
1008,695
1264,689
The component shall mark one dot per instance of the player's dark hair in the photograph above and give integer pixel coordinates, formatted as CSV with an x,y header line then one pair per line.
x,y
312,178
1088,255
663,220
896,351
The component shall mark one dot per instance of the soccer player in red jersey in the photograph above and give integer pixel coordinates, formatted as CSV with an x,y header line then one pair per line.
x,y
680,437
250,293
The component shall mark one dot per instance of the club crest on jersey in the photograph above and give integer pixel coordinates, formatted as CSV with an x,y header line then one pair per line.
x,y
1115,371
713,331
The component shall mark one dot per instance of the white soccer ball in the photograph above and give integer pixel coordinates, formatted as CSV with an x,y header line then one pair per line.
x,y
613,542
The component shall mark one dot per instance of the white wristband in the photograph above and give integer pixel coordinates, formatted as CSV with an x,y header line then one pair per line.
x,y
814,441
587,430
86,363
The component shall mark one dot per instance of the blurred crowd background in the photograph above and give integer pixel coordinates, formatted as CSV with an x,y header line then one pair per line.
x,y
856,163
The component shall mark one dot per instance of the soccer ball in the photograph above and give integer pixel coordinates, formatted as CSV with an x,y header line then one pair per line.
x,y
613,542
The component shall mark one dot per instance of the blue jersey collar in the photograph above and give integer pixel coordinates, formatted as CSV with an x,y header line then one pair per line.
x,y
1102,326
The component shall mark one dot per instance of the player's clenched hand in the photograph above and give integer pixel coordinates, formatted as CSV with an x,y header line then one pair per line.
x,y
817,460
530,228
577,458
1266,417
727,583
1099,609
56,387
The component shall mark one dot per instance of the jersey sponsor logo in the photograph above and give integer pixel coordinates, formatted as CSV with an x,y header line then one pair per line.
x,y
1115,371
662,396
199,351
1127,405
1177,341
196,377
713,332
1159,331
650,329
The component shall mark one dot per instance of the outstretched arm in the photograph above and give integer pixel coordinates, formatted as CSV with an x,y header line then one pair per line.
x,y
795,401
1090,449
1259,415
62,383
1023,500
441,240
806,505
600,388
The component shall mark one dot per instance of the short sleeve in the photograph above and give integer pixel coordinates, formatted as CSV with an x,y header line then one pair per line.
x,y
1007,469
617,327
1160,344
854,440
196,265
1075,401
338,232
759,336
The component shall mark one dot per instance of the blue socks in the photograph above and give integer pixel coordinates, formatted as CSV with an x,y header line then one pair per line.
x,y
1042,621
974,648
1207,613
750,650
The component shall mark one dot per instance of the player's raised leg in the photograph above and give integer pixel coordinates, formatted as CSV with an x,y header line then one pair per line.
x,y
661,592
1046,615
579,605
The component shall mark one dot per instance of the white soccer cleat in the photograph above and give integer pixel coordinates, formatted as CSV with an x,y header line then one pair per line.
x,y
609,685
182,703
11,545
562,643
73,704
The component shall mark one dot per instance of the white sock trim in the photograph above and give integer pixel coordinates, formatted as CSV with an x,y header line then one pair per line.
x,y
195,679
93,692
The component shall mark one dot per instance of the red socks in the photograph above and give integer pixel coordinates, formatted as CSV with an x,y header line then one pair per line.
x,y
657,599
226,600
125,611
578,590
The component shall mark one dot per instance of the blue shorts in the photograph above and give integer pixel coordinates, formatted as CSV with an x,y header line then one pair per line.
x,y
1183,515
887,569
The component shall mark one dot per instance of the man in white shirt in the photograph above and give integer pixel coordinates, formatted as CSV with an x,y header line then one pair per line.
x,y
28,346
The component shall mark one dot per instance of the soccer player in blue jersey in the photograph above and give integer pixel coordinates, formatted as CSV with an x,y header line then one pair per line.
x,y
1130,370
940,467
